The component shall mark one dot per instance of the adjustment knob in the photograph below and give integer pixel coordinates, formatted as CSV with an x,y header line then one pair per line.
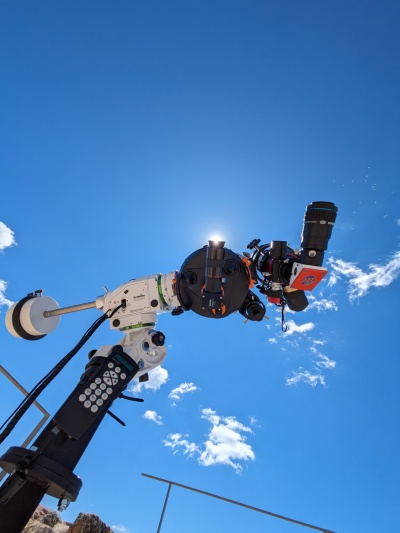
x,y
158,339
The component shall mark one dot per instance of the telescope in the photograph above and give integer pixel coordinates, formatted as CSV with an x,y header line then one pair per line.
x,y
213,282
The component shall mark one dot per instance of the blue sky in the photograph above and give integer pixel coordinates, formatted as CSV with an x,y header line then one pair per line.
x,y
130,133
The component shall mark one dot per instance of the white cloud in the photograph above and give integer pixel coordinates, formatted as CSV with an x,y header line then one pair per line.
x,y
322,360
120,529
6,240
292,327
225,444
272,340
306,377
333,278
184,388
157,377
3,299
325,362
321,304
153,416
359,281
177,442
6,237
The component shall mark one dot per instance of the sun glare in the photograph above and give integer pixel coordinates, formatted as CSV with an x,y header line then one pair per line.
x,y
216,238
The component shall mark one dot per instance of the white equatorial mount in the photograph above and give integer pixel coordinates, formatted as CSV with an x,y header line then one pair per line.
x,y
136,305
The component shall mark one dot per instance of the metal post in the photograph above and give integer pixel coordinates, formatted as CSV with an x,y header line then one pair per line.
x,y
35,403
163,511
281,517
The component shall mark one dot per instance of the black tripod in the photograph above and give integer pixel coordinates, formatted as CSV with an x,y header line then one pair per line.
x,y
47,467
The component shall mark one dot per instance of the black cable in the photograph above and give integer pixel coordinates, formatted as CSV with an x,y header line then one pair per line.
x,y
55,370
17,414
284,326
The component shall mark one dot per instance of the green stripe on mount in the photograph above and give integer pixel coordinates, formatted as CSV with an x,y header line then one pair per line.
x,y
160,290
136,326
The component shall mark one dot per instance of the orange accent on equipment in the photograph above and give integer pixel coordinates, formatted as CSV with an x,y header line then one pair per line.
x,y
308,278
223,309
247,262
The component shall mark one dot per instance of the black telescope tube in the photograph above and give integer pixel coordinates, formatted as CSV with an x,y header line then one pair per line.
x,y
319,219
214,263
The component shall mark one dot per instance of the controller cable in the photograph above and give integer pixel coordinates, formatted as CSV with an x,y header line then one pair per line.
x,y
17,414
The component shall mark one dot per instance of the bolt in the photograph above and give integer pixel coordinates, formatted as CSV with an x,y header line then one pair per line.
x,y
63,504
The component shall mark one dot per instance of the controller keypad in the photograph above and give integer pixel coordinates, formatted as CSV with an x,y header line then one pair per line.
x,y
100,390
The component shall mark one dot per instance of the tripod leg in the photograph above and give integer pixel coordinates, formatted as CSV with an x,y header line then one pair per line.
x,y
19,509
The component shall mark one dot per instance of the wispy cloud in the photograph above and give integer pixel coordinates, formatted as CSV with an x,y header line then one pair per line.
x,y
299,337
361,282
320,363
225,444
120,529
153,416
323,361
3,299
6,240
293,328
307,377
321,304
184,388
6,237
157,377
178,443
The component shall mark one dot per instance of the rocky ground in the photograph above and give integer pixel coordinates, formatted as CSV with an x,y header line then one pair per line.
x,y
47,521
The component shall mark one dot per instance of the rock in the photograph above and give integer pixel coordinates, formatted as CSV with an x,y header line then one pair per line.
x,y
51,518
89,523
47,521
42,521
34,526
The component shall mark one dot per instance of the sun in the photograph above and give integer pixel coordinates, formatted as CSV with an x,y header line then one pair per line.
x,y
216,238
